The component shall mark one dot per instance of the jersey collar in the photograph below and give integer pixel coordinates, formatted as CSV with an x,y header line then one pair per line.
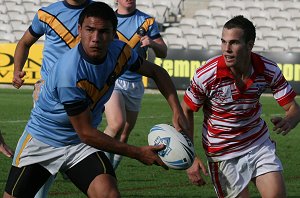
x,y
76,7
224,71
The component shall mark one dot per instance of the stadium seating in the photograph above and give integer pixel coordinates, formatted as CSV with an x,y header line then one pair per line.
x,y
177,20
192,33
197,43
260,45
179,43
202,14
279,45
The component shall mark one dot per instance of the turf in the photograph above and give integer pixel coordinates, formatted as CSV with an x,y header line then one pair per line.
x,y
135,179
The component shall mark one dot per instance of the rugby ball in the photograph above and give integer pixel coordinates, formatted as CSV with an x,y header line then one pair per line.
x,y
179,151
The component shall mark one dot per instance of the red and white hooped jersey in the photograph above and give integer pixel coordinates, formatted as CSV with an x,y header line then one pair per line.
x,y
232,125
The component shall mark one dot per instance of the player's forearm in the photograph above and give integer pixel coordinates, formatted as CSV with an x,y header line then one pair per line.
x,y
20,56
167,88
293,114
106,143
160,49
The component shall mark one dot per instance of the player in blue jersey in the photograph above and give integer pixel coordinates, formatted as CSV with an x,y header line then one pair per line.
x,y
140,31
62,134
59,23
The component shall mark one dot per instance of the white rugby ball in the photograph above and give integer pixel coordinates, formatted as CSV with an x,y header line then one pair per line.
x,y
179,151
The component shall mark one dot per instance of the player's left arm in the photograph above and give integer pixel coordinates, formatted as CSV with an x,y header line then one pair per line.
x,y
158,45
167,88
292,118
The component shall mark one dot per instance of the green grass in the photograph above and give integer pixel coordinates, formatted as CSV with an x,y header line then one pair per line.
x,y
135,179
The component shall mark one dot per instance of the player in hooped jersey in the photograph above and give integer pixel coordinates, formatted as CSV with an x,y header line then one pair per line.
x,y
62,134
235,138
140,31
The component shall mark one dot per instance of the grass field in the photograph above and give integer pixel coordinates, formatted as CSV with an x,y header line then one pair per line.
x,y
135,179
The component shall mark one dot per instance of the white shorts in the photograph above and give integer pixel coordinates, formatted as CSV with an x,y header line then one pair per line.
x,y
31,151
231,176
132,93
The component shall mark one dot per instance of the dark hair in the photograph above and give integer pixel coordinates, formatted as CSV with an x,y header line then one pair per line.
x,y
99,10
243,23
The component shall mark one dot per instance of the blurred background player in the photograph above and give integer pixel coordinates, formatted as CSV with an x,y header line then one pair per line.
x,y
140,31
235,138
62,134
59,23
4,148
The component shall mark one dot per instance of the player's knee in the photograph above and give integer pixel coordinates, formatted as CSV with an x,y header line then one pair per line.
x,y
104,186
115,129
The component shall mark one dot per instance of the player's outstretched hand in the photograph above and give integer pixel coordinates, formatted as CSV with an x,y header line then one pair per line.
x,y
18,79
4,148
281,125
148,155
194,172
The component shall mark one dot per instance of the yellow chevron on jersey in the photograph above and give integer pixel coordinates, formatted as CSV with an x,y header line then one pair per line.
x,y
96,94
135,39
59,28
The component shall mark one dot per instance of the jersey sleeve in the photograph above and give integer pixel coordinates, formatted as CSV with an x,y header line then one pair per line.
x,y
281,89
153,32
37,28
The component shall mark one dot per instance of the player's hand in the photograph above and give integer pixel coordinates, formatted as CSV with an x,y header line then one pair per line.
x,y
146,41
18,79
281,125
180,123
4,148
148,155
194,172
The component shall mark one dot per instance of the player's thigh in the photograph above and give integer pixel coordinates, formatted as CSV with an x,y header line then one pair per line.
x,y
26,181
87,170
271,185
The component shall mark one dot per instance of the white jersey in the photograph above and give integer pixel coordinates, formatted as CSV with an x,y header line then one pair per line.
x,y
232,125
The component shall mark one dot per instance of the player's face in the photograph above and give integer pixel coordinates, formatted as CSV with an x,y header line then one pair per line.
x,y
96,35
127,3
234,49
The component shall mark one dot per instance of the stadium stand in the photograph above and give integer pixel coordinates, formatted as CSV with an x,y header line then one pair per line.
x,y
260,45
278,46
179,43
186,19
197,43
192,33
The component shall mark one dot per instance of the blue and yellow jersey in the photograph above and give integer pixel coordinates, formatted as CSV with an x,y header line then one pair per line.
x,y
59,23
128,25
79,80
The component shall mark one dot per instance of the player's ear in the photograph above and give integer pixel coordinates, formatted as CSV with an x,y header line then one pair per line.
x,y
250,45
79,30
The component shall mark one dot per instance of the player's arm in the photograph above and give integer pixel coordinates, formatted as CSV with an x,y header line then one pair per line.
x,y
20,57
290,121
198,166
167,88
5,148
158,45
81,121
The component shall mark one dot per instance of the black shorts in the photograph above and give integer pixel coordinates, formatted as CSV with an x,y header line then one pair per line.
x,y
26,181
